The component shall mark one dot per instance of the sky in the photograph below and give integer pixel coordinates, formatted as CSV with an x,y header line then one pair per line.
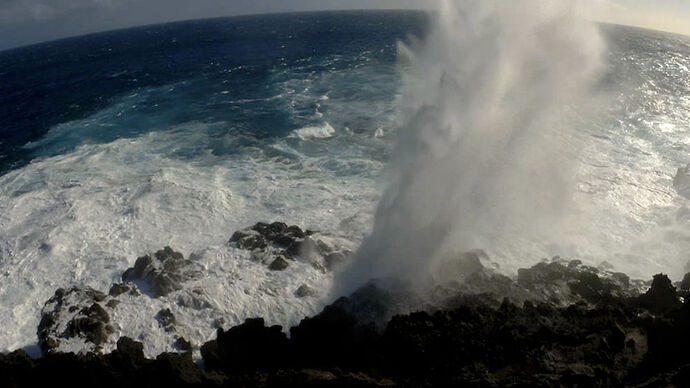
x,y
25,22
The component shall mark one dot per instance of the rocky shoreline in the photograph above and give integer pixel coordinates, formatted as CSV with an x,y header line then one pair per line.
x,y
559,323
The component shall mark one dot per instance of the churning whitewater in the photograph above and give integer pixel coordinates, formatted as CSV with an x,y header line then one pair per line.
x,y
524,134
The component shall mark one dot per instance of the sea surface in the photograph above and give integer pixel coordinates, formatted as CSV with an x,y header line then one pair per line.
x,y
116,144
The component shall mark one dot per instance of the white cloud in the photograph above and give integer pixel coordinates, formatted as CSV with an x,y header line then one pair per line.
x,y
19,11
667,15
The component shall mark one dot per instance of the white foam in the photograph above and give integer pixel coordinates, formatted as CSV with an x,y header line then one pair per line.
x,y
324,131
83,218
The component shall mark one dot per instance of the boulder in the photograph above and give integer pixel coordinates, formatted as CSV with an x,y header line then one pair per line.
x,y
273,244
304,291
661,297
77,314
278,264
166,319
681,181
163,273
250,346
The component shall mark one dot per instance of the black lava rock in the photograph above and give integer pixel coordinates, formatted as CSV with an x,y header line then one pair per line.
x,y
75,313
278,264
273,243
161,274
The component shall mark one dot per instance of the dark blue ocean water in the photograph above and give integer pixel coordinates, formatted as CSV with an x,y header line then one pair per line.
x,y
223,70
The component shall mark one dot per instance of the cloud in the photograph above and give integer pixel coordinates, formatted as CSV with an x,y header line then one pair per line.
x,y
20,11
29,21
666,15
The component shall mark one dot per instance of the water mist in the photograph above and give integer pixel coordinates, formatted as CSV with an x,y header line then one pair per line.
x,y
486,145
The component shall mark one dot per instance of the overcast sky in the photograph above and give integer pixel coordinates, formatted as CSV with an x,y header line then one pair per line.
x,y
24,22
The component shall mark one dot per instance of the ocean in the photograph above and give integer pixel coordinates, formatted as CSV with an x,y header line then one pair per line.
x,y
114,145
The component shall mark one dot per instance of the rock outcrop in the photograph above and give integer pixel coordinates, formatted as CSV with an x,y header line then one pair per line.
x,y
606,338
277,244
76,316
162,273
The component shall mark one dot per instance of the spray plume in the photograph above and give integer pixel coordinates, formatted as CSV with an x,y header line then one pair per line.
x,y
486,144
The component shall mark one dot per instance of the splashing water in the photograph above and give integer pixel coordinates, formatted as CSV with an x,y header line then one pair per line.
x,y
486,150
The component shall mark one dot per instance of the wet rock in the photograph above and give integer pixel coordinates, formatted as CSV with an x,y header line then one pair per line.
x,y
129,352
304,291
477,342
183,345
163,273
261,235
685,283
661,297
305,249
180,370
74,314
118,289
335,260
278,264
271,242
194,301
111,304
681,181
377,301
333,337
460,267
566,283
166,319
247,347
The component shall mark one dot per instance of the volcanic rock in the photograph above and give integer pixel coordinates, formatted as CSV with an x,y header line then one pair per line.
x,y
163,273
566,283
118,289
278,264
273,243
166,319
76,314
248,347
661,297
304,291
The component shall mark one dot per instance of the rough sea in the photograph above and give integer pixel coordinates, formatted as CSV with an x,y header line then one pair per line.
x,y
116,144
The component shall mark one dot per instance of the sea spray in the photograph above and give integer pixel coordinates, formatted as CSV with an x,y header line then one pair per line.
x,y
486,148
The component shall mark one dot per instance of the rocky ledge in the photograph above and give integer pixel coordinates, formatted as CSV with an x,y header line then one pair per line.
x,y
557,324
639,341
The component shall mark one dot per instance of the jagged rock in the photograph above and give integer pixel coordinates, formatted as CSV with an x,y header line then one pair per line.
x,y
182,344
335,260
180,368
661,297
75,314
129,353
304,291
333,337
616,342
244,348
567,283
118,289
685,283
305,248
166,319
194,301
262,235
111,304
163,273
460,267
271,242
278,264
378,300
681,181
